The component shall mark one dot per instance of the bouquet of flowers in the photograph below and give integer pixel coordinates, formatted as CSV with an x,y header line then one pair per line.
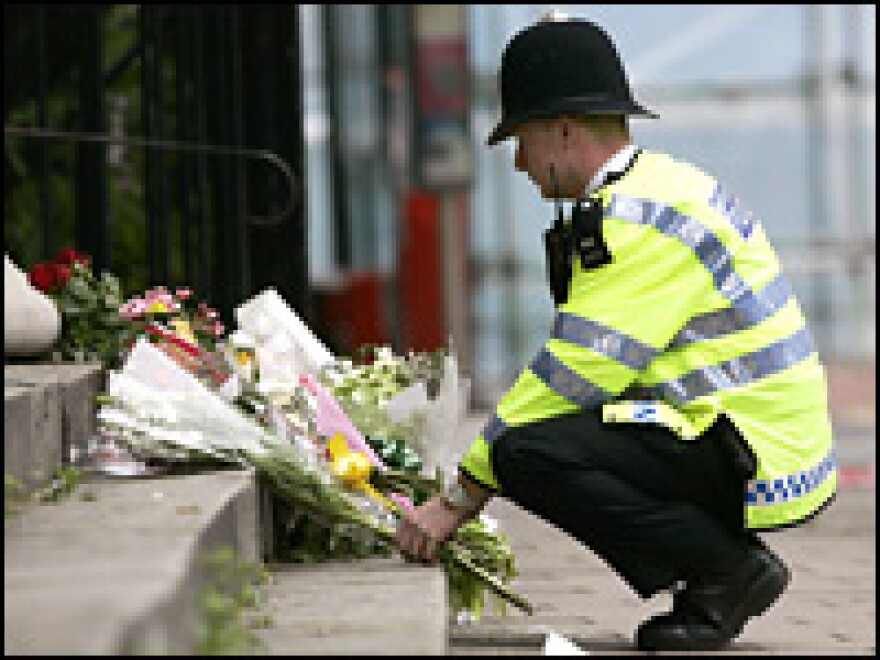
x,y
376,416
163,413
89,306
190,333
409,407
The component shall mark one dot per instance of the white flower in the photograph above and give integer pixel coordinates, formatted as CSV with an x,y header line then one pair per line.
x,y
490,523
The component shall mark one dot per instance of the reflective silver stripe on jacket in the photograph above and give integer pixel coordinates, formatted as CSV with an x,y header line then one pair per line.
x,y
706,245
745,369
494,428
604,340
566,382
729,206
764,492
746,312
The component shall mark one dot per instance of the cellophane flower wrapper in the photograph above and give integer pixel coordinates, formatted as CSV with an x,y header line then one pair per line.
x,y
288,356
166,413
284,345
331,419
165,405
442,417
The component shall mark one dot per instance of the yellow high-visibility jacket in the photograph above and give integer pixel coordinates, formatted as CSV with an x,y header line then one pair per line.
x,y
695,307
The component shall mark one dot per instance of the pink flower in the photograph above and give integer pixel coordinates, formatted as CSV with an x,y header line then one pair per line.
x,y
218,329
183,294
133,309
161,300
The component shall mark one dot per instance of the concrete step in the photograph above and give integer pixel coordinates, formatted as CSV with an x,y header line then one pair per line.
x,y
123,574
49,416
377,606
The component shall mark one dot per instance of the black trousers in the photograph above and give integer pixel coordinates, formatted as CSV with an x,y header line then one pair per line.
x,y
657,509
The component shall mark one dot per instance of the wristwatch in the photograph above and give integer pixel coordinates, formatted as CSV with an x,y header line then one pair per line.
x,y
455,495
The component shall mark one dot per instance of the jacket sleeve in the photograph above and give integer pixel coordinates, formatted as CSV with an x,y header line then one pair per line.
x,y
618,317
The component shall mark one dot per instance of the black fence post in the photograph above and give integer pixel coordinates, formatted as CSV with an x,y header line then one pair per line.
x,y
274,121
91,223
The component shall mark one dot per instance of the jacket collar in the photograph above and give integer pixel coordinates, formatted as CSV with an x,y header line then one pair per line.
x,y
617,163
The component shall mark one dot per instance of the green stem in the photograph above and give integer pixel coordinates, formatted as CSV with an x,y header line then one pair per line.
x,y
286,482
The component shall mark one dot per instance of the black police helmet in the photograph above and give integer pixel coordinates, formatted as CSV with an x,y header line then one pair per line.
x,y
557,68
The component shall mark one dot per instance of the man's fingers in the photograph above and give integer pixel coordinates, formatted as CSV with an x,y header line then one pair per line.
x,y
403,537
431,550
407,539
414,542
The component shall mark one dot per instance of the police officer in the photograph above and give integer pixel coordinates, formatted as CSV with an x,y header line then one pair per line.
x,y
679,405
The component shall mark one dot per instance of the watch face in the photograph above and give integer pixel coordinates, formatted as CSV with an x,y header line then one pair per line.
x,y
457,496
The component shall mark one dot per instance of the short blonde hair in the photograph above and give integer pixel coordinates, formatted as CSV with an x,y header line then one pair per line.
x,y
605,126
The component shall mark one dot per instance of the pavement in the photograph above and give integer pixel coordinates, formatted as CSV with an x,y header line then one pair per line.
x,y
828,609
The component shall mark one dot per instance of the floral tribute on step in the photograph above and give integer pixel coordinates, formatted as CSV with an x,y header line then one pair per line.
x,y
344,445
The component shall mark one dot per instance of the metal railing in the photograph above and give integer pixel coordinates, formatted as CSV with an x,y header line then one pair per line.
x,y
294,189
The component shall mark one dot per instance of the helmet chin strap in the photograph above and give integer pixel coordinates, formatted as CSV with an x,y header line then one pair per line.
x,y
557,200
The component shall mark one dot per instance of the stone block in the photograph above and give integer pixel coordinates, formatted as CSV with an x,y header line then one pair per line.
x,y
76,385
17,429
32,445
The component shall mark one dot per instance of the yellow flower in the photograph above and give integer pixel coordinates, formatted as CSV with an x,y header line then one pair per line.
x,y
244,356
182,329
157,307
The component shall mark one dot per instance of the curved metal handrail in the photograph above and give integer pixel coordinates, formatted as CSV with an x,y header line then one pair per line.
x,y
173,145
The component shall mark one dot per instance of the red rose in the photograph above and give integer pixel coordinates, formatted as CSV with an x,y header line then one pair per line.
x,y
69,256
42,276
62,274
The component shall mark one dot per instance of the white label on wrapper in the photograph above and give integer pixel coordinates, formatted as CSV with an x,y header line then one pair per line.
x,y
555,644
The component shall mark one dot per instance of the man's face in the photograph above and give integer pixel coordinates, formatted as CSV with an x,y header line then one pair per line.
x,y
537,152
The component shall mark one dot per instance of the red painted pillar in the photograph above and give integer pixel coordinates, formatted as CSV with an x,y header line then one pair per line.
x,y
421,274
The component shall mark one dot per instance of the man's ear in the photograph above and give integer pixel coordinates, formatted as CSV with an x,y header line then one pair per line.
x,y
567,127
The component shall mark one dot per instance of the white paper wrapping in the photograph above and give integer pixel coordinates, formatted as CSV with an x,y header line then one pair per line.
x,y
285,346
442,443
174,407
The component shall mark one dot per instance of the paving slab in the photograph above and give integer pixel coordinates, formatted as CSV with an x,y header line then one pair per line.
x,y
829,609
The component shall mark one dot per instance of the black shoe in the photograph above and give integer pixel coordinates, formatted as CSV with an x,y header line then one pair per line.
x,y
707,615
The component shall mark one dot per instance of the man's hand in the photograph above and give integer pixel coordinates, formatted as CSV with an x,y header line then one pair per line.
x,y
422,530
